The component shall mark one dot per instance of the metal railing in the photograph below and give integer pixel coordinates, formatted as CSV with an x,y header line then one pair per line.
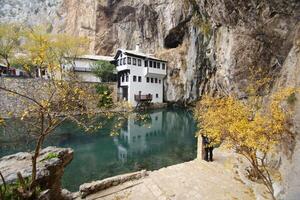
x,y
139,97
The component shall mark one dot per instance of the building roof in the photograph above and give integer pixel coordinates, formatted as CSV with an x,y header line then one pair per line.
x,y
137,54
96,57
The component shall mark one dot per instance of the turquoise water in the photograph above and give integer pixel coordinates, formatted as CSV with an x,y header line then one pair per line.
x,y
165,138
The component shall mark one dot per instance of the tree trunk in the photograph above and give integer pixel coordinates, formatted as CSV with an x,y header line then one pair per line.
x,y
34,161
7,66
2,192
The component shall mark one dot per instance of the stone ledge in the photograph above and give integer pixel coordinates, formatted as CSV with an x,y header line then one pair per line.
x,y
49,170
96,186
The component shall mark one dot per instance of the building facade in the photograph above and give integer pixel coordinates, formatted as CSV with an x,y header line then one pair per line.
x,y
140,77
11,72
82,67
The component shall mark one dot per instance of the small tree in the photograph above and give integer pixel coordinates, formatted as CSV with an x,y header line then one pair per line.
x,y
251,130
104,70
58,100
10,37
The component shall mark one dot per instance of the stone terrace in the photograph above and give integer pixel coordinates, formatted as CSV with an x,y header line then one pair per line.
x,y
192,180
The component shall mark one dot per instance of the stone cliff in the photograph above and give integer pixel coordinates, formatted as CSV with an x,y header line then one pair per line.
x,y
211,45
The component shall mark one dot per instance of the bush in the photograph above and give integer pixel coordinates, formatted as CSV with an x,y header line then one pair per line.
x,y
105,96
104,70
11,191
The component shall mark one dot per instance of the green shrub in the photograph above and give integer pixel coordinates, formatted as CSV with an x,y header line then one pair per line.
x,y
104,70
105,96
50,156
11,190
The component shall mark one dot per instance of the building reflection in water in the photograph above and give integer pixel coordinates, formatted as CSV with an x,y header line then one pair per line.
x,y
139,138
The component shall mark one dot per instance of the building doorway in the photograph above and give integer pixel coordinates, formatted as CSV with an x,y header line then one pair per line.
x,y
125,93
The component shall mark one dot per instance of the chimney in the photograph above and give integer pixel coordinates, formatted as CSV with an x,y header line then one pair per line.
x,y
137,47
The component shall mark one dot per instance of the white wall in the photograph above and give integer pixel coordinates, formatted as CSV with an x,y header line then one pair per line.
x,y
85,76
88,77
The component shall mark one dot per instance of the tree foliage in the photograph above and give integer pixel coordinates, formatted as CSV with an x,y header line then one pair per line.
x,y
247,127
10,37
50,51
104,70
105,96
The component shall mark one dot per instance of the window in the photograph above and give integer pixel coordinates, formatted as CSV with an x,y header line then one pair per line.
x,y
163,66
126,78
152,80
150,63
134,61
159,81
140,79
129,60
139,62
155,80
123,78
124,61
134,78
154,64
158,65
146,63
156,95
120,62
148,79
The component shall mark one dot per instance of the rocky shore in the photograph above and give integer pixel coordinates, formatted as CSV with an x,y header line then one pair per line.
x,y
50,169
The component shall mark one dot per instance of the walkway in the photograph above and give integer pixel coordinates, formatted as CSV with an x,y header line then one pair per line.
x,y
195,180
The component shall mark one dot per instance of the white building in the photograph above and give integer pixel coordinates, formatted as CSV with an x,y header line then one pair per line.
x,y
140,76
82,67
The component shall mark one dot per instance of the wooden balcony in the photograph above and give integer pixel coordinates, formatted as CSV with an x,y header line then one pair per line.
x,y
140,98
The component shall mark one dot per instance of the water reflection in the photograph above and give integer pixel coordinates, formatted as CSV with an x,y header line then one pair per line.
x,y
161,139
140,136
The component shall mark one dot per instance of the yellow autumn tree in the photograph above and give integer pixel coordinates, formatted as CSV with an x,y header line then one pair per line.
x,y
10,36
55,100
251,130
50,52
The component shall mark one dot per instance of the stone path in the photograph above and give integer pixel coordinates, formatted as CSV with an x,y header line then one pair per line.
x,y
195,180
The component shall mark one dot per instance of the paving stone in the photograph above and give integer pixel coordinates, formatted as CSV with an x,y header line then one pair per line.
x,y
195,180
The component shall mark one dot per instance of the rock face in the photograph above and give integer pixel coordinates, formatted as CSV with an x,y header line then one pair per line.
x,y
49,173
259,36
212,46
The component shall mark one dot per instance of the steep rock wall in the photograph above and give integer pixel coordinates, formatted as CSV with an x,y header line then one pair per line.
x,y
259,35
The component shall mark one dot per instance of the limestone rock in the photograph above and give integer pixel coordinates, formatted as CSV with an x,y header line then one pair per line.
x,y
49,171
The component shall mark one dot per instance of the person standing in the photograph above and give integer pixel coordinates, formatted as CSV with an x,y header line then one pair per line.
x,y
208,149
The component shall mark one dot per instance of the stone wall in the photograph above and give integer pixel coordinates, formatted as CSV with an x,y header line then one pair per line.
x,y
13,105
